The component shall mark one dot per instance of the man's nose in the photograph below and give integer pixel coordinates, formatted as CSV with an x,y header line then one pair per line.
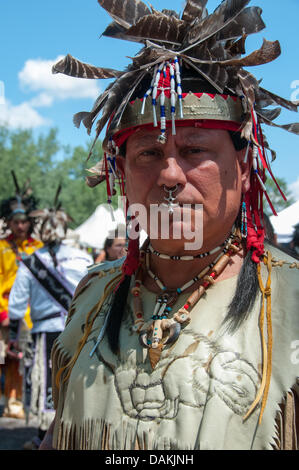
x,y
172,173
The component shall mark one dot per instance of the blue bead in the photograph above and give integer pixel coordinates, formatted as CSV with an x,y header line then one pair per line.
x,y
179,291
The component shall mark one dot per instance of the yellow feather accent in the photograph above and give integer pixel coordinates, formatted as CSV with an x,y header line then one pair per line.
x,y
266,346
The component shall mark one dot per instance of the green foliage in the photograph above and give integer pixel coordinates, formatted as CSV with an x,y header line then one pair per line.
x,y
277,200
46,163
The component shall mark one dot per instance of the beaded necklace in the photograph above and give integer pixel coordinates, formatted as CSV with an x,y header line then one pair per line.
x,y
189,257
151,333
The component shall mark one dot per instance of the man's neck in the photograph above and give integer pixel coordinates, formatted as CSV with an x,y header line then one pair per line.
x,y
175,273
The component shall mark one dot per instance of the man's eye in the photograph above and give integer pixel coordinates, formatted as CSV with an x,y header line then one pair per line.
x,y
148,154
194,151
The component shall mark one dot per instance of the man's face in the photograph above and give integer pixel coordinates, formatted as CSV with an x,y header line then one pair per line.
x,y
202,162
19,227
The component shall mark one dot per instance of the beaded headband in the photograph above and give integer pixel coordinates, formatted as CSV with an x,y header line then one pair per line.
x,y
20,204
226,110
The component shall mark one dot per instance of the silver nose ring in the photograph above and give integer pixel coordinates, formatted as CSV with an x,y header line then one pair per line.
x,y
170,198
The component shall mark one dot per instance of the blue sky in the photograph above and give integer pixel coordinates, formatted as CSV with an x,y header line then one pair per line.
x,y
33,34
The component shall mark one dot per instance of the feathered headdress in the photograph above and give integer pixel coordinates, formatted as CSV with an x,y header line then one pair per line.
x,y
190,68
22,203
53,221
213,46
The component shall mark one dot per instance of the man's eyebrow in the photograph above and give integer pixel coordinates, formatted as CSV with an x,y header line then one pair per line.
x,y
146,140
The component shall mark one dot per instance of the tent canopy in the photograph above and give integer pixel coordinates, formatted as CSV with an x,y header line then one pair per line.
x,y
94,231
284,222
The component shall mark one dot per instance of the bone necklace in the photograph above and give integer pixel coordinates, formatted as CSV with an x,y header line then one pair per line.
x,y
152,333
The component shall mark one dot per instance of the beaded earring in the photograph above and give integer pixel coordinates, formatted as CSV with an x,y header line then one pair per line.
x,y
243,219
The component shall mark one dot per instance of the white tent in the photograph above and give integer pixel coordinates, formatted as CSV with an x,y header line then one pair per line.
x,y
283,224
99,225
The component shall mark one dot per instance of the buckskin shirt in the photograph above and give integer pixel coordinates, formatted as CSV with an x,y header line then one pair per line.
x,y
201,388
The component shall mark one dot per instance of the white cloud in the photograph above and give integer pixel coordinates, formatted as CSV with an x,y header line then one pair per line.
x,y
42,100
22,116
37,76
294,187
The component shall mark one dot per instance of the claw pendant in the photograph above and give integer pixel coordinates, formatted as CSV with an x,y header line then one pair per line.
x,y
152,337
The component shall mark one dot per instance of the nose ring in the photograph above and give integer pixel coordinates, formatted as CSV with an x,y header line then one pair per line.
x,y
170,199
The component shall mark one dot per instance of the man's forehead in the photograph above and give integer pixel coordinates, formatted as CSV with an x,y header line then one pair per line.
x,y
19,218
150,136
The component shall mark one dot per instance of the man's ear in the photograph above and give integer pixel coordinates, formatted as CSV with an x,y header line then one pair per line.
x,y
245,168
120,163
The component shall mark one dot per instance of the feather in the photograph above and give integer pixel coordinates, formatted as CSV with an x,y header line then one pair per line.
x,y
118,92
269,114
57,196
79,117
226,12
150,55
293,127
249,21
88,118
42,213
201,71
118,115
15,180
236,48
116,31
98,174
193,9
170,13
74,68
267,53
278,100
161,28
125,12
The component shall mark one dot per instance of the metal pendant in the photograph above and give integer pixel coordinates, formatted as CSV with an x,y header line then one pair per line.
x,y
170,198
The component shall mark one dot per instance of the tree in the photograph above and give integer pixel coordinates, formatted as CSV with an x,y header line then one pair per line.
x,y
46,162
276,198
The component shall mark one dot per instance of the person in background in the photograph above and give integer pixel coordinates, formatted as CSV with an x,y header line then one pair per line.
x,y
270,234
114,248
16,243
294,244
47,281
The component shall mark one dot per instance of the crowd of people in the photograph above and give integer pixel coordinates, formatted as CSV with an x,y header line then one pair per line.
x,y
38,277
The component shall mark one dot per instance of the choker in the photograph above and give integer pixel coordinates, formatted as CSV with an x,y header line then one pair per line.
x,y
189,257
161,330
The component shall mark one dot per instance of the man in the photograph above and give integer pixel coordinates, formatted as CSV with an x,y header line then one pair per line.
x,y
180,348
45,280
17,242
